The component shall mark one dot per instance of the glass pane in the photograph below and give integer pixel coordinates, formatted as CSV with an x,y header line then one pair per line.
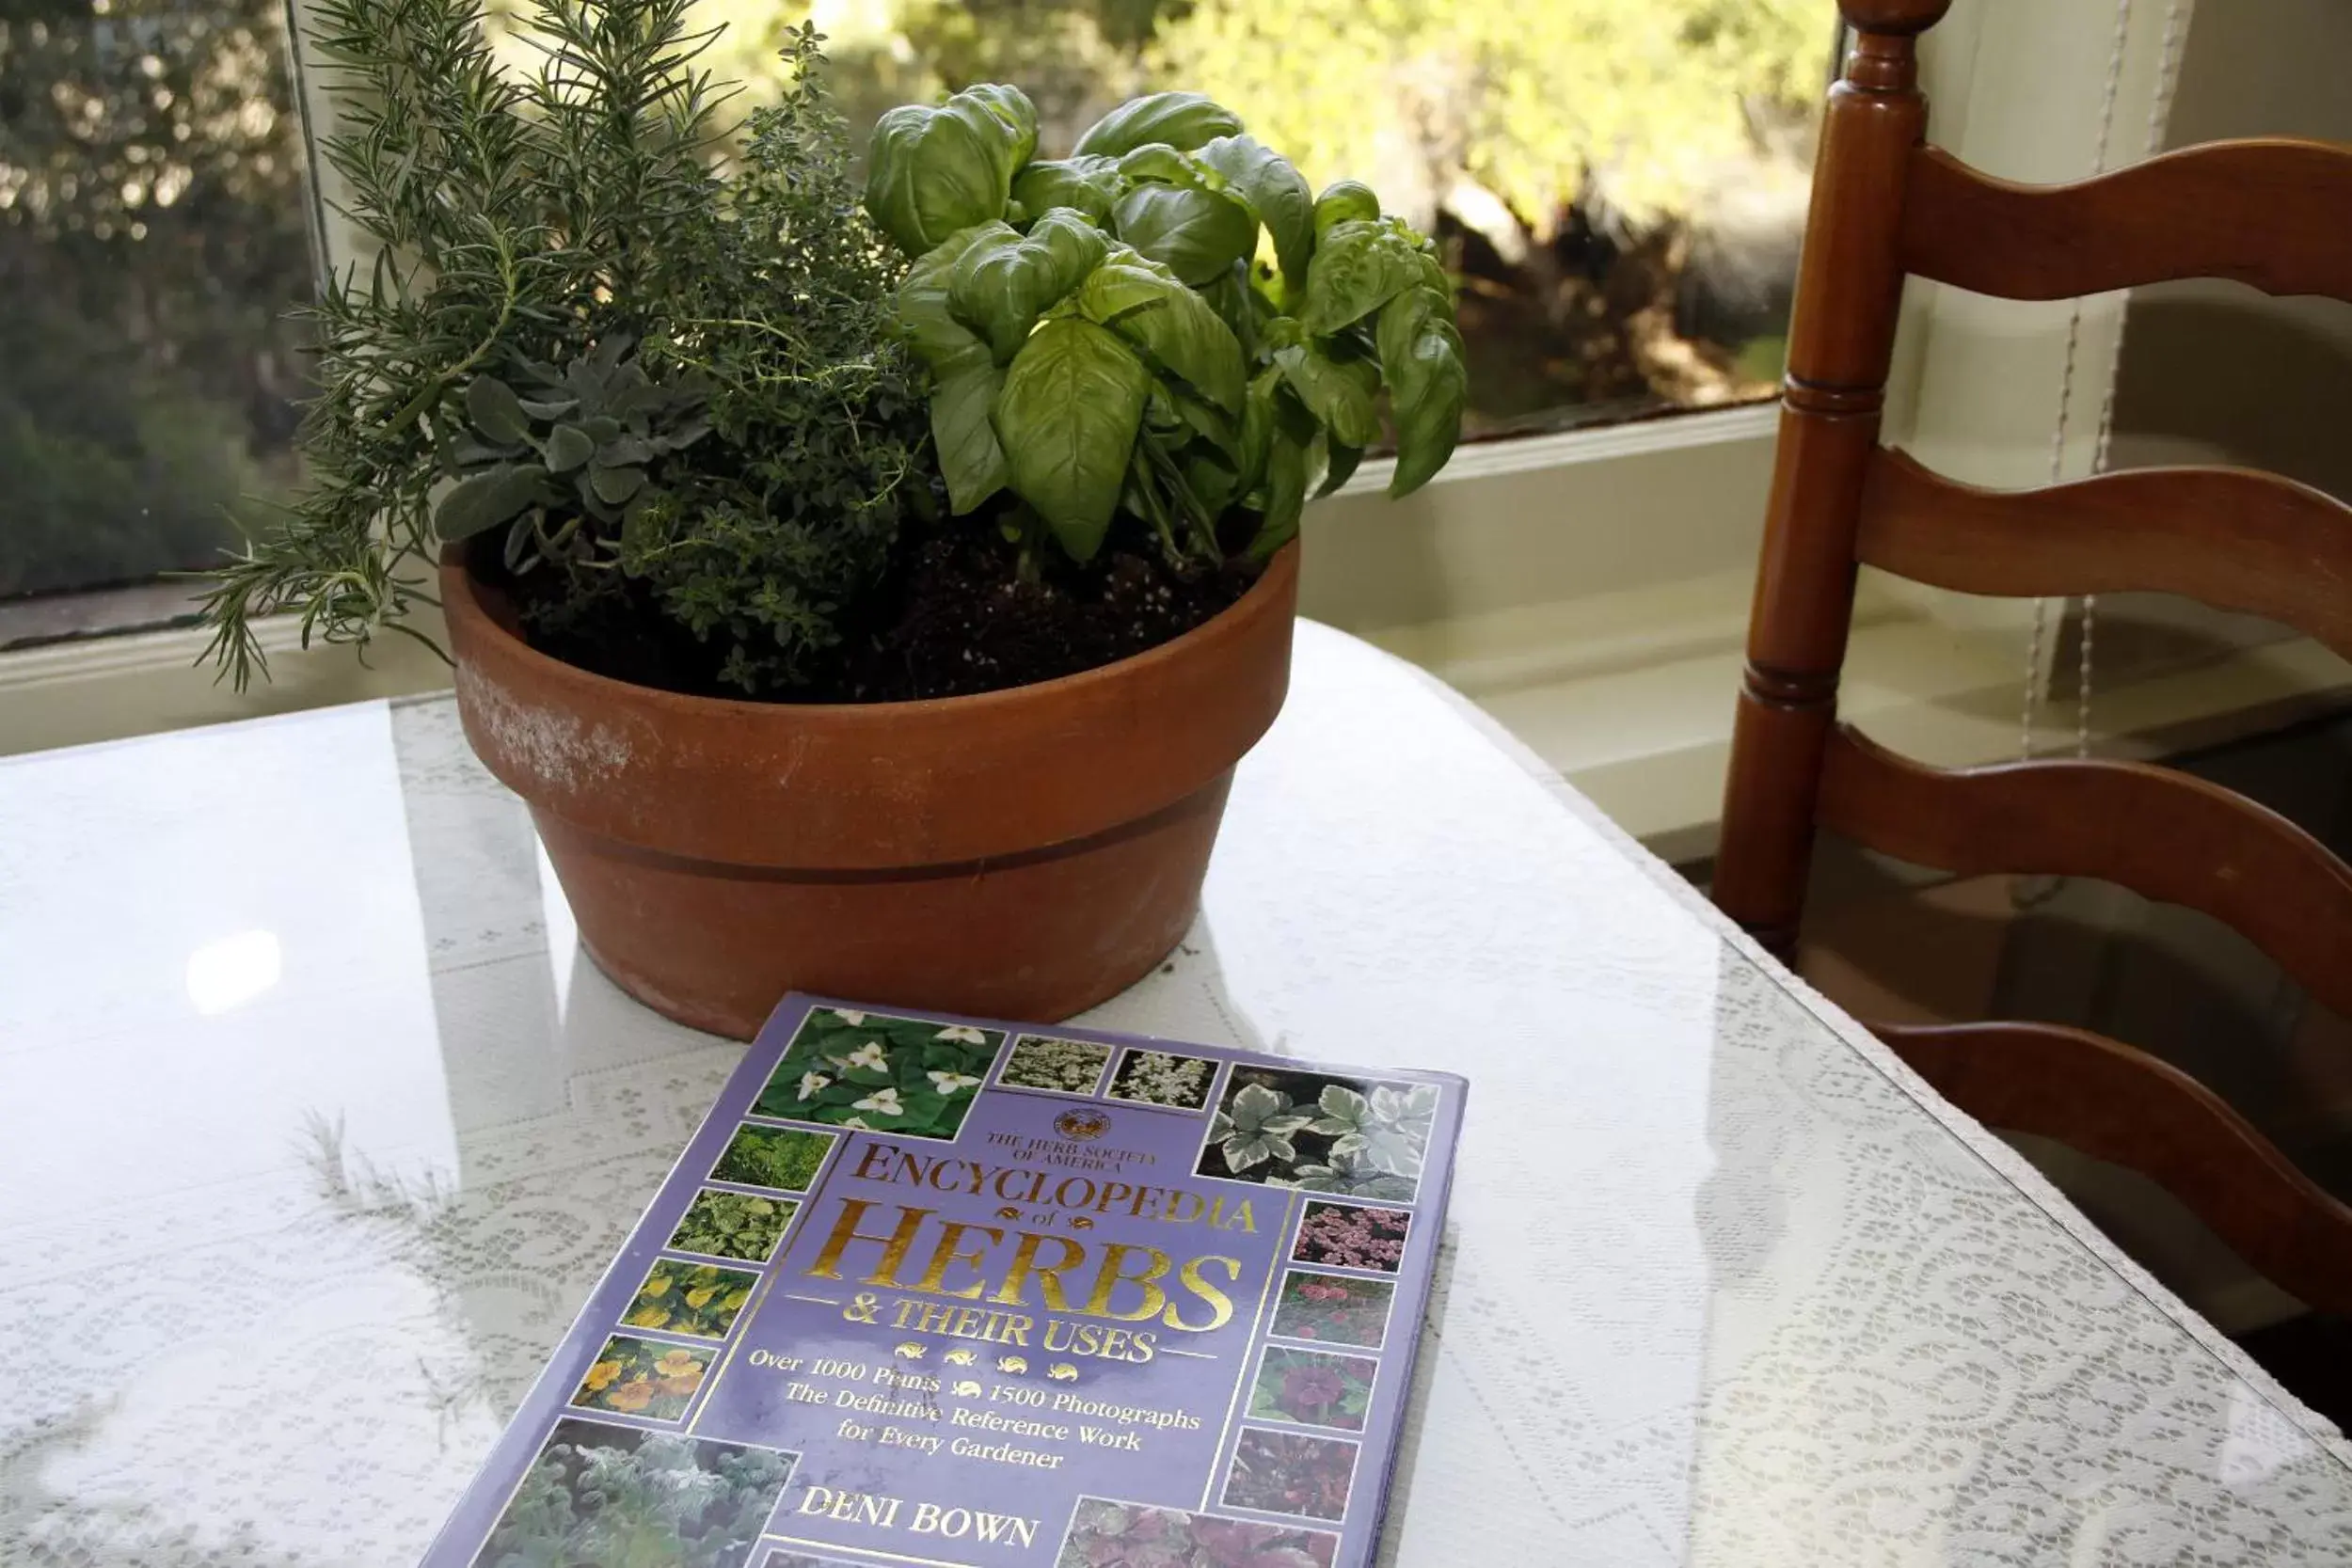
x,y
1620,186
155,235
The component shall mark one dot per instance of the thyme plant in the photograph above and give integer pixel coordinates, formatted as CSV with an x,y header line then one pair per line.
x,y
653,373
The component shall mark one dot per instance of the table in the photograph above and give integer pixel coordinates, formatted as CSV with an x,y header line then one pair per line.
x,y
316,1128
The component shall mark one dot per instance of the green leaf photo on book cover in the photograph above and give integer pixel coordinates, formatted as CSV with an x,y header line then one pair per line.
x,y
612,1496
783,1158
700,1299
1164,1078
732,1225
1066,1067
877,1074
1320,1133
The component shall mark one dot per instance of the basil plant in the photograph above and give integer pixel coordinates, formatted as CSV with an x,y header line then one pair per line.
x,y
1102,336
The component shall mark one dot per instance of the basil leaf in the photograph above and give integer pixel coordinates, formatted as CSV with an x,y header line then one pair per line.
x,y
970,457
1428,382
1277,192
1344,201
1344,460
1339,393
1258,420
1068,415
1358,268
1182,120
1004,282
931,172
1087,185
488,498
1285,496
924,318
1014,111
1197,235
1241,307
1148,305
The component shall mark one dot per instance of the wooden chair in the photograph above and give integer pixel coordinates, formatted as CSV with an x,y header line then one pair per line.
x,y
2273,213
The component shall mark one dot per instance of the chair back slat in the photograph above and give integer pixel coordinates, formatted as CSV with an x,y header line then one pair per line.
x,y
2233,538
2124,1106
2164,834
2275,214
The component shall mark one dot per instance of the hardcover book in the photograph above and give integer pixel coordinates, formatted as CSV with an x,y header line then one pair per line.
x,y
952,1293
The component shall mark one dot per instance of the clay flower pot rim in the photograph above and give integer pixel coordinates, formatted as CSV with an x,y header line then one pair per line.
x,y
908,707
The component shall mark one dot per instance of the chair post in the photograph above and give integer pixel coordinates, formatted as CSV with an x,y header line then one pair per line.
x,y
1841,341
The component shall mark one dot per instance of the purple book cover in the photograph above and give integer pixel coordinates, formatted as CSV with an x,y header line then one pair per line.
x,y
952,1293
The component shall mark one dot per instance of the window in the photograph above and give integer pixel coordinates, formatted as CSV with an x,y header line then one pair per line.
x,y
1619,187
154,236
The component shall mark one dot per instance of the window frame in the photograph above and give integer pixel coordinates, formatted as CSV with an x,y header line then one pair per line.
x,y
1615,646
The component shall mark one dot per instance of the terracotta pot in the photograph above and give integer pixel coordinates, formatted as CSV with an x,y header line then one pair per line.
x,y
1021,855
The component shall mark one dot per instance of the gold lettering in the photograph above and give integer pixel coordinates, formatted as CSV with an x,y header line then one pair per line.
x,y
895,1246
944,1256
1025,1263
875,1153
1113,1274
1220,1305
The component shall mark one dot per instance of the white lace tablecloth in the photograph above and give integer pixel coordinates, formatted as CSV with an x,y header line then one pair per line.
x,y
315,1129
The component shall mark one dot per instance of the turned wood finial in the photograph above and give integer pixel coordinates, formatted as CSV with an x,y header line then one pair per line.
x,y
1905,18
1885,56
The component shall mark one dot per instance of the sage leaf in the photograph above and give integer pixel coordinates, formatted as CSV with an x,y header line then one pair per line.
x,y
1196,233
615,485
1277,193
1182,120
496,411
1072,403
1428,380
488,498
1087,185
970,457
1151,307
567,448
1358,267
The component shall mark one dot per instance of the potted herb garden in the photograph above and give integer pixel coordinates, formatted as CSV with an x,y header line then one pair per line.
x,y
866,596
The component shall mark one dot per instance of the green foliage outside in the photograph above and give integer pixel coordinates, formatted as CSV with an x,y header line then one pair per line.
x,y
153,210
154,239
